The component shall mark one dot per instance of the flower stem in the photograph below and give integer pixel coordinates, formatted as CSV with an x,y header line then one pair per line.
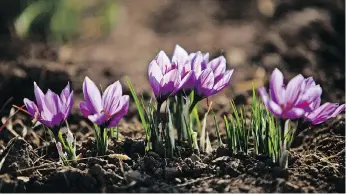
x,y
283,147
154,134
182,133
101,140
193,104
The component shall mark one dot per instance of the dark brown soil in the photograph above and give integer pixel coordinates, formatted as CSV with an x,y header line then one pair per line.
x,y
316,165
297,36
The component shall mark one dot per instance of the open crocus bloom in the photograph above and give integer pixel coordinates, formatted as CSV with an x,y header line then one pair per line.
x,y
213,78
207,78
324,112
190,67
106,110
51,109
291,101
164,76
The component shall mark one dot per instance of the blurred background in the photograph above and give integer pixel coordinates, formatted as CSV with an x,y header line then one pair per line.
x,y
55,41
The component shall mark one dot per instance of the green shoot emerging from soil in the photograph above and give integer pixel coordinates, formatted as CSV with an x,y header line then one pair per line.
x,y
159,127
271,137
237,131
67,146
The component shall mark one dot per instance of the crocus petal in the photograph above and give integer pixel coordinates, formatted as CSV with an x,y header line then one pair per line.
x,y
274,108
294,113
189,81
312,93
206,59
92,96
184,69
85,109
293,90
65,93
324,108
57,119
223,82
277,91
218,65
169,82
264,95
308,83
111,95
122,110
180,54
196,64
155,77
31,107
339,110
322,113
163,62
53,102
51,120
315,104
311,98
39,97
68,106
185,83
155,85
98,118
205,83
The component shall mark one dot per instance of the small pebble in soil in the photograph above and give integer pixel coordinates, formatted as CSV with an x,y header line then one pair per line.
x,y
195,158
188,161
88,153
171,173
81,166
92,161
177,180
291,188
98,172
221,159
110,166
279,172
126,167
280,181
222,151
158,172
314,171
244,188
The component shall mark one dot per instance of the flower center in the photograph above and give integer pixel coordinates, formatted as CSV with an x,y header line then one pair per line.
x,y
108,116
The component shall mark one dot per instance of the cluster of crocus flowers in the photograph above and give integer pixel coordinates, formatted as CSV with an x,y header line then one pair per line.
x,y
301,98
105,110
50,109
187,72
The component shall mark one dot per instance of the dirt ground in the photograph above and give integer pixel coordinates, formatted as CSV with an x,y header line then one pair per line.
x,y
255,36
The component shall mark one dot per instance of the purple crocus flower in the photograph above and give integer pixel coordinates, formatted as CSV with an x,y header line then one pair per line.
x,y
190,67
213,77
324,112
187,72
51,109
164,76
291,101
106,110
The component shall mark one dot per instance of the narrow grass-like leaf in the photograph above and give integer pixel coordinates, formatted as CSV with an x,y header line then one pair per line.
x,y
217,128
140,108
202,139
228,134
